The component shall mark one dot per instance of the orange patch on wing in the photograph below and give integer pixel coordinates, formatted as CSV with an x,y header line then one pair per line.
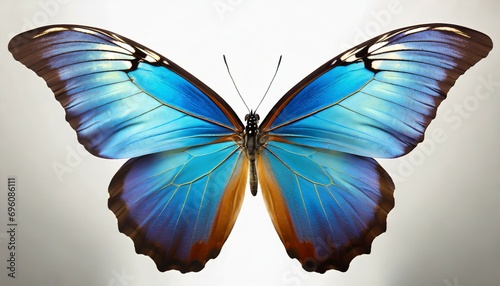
x,y
326,254
278,210
225,218
201,252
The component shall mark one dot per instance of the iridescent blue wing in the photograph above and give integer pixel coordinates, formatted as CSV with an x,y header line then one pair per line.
x,y
123,99
327,206
327,197
377,99
179,206
179,199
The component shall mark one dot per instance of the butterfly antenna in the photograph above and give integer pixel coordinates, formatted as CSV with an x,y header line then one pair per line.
x,y
275,73
232,79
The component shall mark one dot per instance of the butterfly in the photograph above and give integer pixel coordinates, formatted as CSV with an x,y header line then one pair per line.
x,y
179,195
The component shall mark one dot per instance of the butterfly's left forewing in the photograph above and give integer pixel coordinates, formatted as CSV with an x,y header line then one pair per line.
x,y
178,200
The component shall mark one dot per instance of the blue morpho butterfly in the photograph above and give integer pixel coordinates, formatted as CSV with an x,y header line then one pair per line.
x,y
179,196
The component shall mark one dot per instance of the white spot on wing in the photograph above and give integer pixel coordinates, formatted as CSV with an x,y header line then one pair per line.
x,y
376,65
391,48
86,31
384,37
376,46
124,45
51,30
453,30
416,30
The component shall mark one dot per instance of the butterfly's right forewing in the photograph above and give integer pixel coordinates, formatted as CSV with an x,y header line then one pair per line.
x,y
377,99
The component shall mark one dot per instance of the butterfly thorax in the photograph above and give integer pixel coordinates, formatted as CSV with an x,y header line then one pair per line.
x,y
251,145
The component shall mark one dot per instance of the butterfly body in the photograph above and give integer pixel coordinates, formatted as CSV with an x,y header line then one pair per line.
x,y
179,195
252,143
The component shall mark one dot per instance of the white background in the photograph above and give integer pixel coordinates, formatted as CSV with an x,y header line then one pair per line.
x,y
444,229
